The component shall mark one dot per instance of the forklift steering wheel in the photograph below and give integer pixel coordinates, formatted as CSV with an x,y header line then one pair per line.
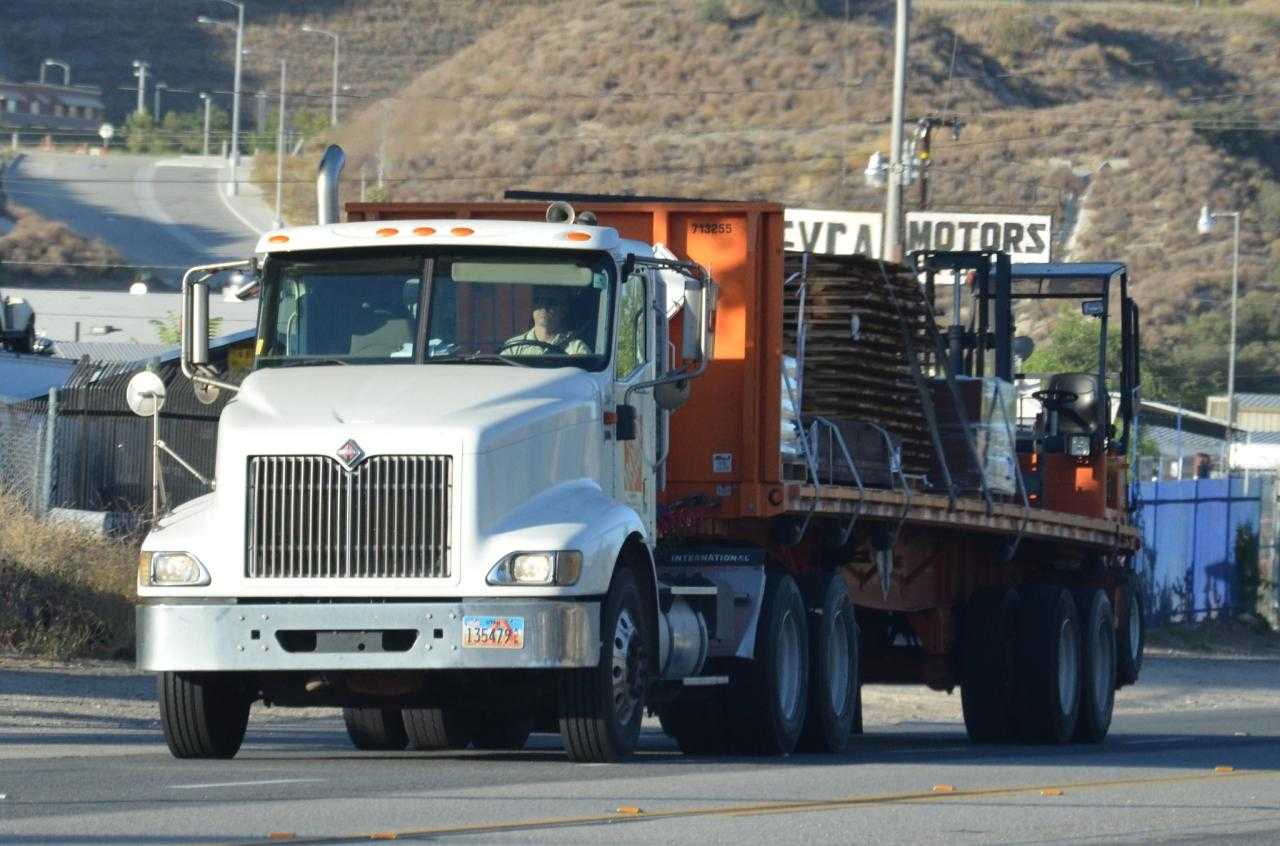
x,y
1055,398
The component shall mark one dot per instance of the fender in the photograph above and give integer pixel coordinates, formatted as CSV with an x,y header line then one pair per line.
x,y
571,515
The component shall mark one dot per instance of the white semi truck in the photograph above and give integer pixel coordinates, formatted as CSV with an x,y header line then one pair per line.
x,y
493,473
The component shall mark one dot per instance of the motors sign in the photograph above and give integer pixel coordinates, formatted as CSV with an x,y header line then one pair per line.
x,y
1025,237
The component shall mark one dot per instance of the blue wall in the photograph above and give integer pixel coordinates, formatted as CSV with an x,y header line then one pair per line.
x,y
1189,543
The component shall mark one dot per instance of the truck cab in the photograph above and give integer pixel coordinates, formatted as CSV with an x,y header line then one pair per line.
x,y
444,460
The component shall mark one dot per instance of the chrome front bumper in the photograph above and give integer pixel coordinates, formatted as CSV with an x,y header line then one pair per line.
x,y
178,636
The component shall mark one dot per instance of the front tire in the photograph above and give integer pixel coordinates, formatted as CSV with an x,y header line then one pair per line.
x,y
1048,665
601,706
375,729
204,715
834,672
1097,666
988,665
769,695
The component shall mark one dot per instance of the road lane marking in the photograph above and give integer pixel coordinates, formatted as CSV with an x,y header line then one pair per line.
x,y
242,783
783,807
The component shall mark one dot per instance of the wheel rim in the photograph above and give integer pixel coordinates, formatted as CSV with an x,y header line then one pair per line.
x,y
628,668
1068,664
1102,662
788,666
838,664
1135,626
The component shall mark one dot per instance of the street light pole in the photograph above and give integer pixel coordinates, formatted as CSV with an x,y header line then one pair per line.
x,y
279,221
892,249
333,105
1205,225
208,102
140,71
233,187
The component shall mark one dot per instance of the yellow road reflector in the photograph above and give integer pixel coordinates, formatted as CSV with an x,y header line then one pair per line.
x,y
630,810
383,835
1224,769
944,788
1051,791
281,835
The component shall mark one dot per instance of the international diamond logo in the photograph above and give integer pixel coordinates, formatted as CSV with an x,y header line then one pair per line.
x,y
350,454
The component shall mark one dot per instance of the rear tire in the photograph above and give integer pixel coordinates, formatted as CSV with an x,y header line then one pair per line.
x,y
601,707
375,729
988,666
1048,665
204,715
768,697
1097,665
432,729
1131,636
501,730
834,672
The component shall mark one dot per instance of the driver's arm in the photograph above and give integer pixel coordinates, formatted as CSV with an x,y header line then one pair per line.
x,y
576,347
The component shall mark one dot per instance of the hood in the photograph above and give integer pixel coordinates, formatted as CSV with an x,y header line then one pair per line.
x,y
477,407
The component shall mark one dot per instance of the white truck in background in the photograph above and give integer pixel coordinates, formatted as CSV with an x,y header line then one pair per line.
x,y
17,324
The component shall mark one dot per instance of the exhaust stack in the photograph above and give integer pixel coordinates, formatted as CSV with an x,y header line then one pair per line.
x,y
328,208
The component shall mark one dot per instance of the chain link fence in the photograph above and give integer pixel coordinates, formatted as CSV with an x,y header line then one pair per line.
x,y
23,455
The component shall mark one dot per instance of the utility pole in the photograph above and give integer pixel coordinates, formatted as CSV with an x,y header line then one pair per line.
x,y
382,147
160,86
140,71
892,249
279,221
208,101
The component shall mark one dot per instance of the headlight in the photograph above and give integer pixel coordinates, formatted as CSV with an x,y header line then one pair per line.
x,y
1078,445
171,569
562,567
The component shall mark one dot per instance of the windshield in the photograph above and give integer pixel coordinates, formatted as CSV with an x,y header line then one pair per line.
x,y
527,308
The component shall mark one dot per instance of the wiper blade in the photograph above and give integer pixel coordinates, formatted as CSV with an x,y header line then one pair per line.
x,y
305,362
475,358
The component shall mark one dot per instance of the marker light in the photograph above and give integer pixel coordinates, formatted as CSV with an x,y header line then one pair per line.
x,y
462,231
387,232
279,239
424,230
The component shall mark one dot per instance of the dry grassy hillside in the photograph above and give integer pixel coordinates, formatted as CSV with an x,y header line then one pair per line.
x,y
385,44
1125,117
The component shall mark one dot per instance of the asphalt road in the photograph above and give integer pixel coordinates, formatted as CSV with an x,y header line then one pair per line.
x,y
154,211
110,780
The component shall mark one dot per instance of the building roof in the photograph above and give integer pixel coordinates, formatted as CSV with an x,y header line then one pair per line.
x,y
109,350
1172,443
24,377
1251,401
127,316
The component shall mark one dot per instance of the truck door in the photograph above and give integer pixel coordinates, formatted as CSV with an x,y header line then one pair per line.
x,y
634,460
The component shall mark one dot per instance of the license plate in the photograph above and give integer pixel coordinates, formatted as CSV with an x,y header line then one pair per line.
x,y
493,632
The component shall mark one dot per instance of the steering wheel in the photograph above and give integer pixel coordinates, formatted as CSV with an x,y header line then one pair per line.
x,y
1055,399
520,342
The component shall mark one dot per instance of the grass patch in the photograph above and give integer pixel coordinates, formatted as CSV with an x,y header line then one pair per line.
x,y
1245,636
64,592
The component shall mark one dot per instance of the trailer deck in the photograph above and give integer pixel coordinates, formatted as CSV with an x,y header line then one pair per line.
x,y
964,514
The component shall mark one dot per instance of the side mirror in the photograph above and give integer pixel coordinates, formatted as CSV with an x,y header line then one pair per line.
x,y
625,428
197,324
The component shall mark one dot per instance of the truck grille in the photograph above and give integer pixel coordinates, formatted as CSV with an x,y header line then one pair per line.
x,y
310,518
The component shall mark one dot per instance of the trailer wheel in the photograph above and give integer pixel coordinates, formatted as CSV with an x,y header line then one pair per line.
x,y
1097,665
834,672
769,695
988,665
204,715
1048,665
1131,636
601,706
431,729
501,730
375,728
698,726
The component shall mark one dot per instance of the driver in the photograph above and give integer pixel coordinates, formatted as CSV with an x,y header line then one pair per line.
x,y
548,335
